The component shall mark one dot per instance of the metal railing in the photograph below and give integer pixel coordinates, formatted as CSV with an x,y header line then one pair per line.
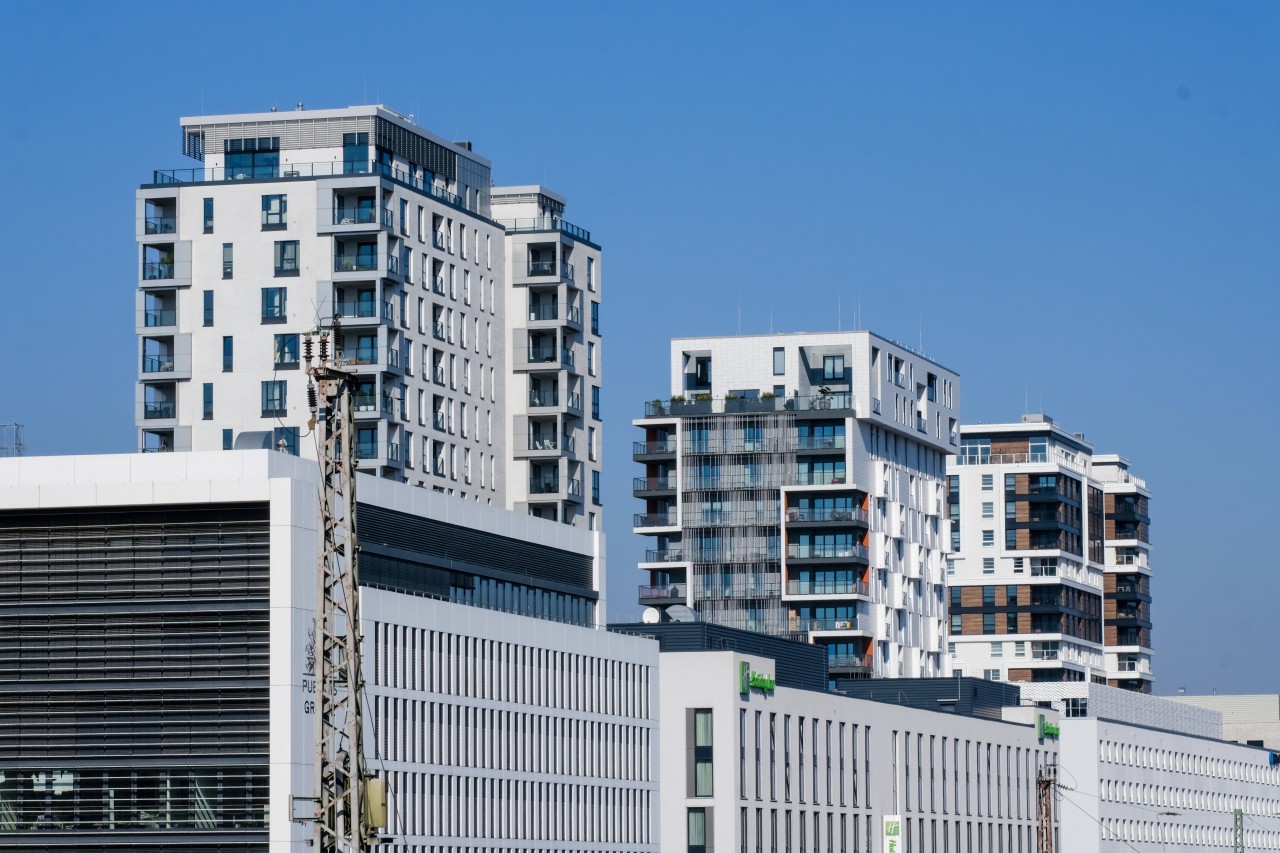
x,y
828,514
826,587
359,308
847,662
825,552
157,363
544,486
544,442
437,285
1018,459
154,410
544,311
160,225
820,442
664,555
160,317
542,268
849,624
546,223
538,399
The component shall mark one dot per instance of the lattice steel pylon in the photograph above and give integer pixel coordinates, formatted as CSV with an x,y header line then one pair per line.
x,y
11,440
348,810
1046,785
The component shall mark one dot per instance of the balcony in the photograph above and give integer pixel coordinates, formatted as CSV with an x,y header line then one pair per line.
x,y
544,486
160,225
850,664
762,587
665,555
811,443
541,268
654,519
819,478
544,311
543,445
159,317
375,454
354,216
437,286
158,271
159,410
665,594
360,309
826,552
845,624
167,365
827,588
853,515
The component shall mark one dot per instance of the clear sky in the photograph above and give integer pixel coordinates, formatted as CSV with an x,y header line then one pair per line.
x,y
1075,205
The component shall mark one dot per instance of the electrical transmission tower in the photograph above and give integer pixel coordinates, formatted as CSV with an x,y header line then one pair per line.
x,y
1046,785
350,802
11,442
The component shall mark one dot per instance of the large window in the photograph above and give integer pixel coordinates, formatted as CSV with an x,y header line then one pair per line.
x,y
274,308
703,766
208,216
274,398
252,158
697,830
286,257
228,260
779,361
975,451
208,401
228,354
208,307
285,439
274,212
355,153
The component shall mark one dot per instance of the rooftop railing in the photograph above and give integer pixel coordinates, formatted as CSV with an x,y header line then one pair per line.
x,y
730,405
546,223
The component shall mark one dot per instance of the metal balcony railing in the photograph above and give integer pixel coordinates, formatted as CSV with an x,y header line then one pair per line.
x,y
160,317
838,401
540,399
160,225
652,484
656,519
666,445
854,514
355,263
826,552
546,223
157,271
354,216
662,592
158,410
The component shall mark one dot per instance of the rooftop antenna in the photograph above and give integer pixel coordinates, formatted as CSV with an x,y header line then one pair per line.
x,y
11,441
771,315
858,311
839,312
921,333
739,312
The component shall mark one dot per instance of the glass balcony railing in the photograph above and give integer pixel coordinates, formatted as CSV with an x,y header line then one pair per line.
x,y
438,331
652,484
800,514
830,624
700,405
160,225
538,399
826,552
544,311
826,587
575,401
542,268
644,448
542,355
157,364
662,592
157,271
544,486
820,442
566,271
359,308
546,223
354,216
664,555
355,263
654,519
155,410
437,285
160,317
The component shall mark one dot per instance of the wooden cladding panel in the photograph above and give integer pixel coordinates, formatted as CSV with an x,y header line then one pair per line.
x,y
1009,445
971,623
971,596
1019,675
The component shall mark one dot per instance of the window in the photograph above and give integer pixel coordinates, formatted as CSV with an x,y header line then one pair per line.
x,y
591,358
1020,649
274,212
286,257
997,650
991,674
1010,538
208,401
286,352
833,368
591,444
404,218
274,305
702,371
1077,707
252,158
988,623
208,307
595,402
228,267
273,398
228,437
779,361
955,596
988,509
703,765
591,273
228,354
988,482
208,216
956,624
595,318
988,565
285,439
1011,622
989,595
355,153
595,487
988,538
697,831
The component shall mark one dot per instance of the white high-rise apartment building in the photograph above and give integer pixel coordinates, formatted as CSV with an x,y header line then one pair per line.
x,y
1049,579
794,485
360,222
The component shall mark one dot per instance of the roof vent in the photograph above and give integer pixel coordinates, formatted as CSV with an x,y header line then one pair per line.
x,y
463,143
1040,418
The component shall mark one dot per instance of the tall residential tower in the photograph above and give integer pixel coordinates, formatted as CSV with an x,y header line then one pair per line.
x,y
360,222
1049,579
793,484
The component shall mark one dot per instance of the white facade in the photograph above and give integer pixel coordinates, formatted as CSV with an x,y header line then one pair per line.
x,y
794,485
496,731
785,769
356,218
1253,719
1128,787
553,387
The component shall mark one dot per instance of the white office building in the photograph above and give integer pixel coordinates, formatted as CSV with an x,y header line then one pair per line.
x,y
793,485
1249,718
751,765
1148,773
156,613
361,222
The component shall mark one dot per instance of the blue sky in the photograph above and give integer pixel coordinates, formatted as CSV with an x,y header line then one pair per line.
x,y
1074,205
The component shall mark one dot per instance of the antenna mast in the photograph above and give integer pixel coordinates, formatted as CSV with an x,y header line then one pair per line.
x,y
350,802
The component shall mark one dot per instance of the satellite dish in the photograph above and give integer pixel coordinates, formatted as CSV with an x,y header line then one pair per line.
x,y
651,616
681,613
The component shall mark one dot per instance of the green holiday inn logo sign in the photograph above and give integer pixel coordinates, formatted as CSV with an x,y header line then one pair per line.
x,y
757,680
1045,729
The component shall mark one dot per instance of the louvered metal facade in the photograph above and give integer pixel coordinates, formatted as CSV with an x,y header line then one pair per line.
x,y
133,679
